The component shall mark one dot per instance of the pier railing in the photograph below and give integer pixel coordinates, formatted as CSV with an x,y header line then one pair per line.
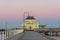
x,y
49,31
9,33
3,35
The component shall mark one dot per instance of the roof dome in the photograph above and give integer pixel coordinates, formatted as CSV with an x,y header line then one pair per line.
x,y
30,17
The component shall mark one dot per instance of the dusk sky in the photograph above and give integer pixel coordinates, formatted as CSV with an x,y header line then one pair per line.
x,y
45,11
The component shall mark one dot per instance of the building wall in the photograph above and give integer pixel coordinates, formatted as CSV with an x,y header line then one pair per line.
x,y
30,23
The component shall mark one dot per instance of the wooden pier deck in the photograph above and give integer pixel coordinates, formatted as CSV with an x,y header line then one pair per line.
x,y
31,35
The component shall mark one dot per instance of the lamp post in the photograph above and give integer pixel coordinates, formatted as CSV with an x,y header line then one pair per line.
x,y
6,29
24,19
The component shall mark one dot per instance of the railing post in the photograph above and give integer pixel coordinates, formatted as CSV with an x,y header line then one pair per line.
x,y
1,35
8,33
4,35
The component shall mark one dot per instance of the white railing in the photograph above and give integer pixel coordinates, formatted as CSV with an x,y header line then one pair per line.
x,y
10,33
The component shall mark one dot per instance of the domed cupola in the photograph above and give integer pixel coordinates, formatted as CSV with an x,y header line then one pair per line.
x,y
30,17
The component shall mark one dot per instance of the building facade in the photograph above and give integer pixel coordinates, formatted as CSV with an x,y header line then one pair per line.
x,y
30,23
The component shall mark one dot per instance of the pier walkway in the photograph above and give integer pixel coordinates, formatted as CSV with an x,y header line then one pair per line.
x,y
31,35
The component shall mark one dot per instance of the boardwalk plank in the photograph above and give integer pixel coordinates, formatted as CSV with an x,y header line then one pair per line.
x,y
31,35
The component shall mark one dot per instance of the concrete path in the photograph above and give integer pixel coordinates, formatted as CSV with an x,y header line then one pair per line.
x,y
31,35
